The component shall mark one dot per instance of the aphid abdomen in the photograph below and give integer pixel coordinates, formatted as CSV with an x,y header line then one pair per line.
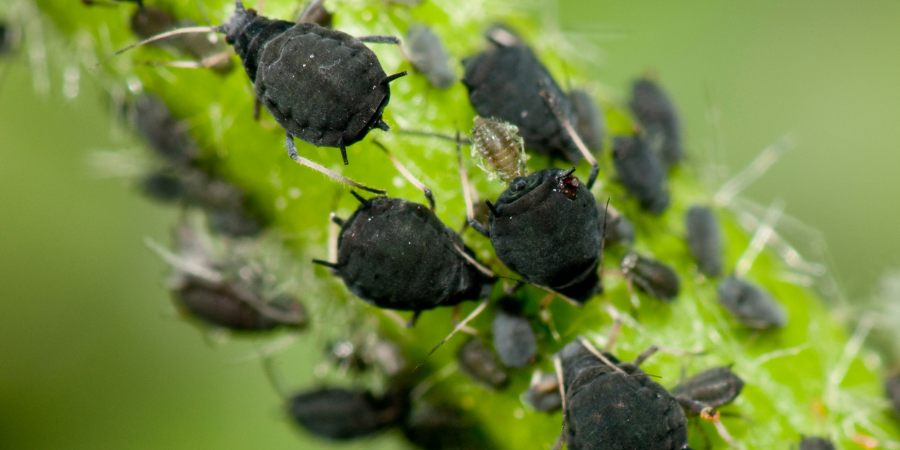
x,y
397,254
500,148
323,86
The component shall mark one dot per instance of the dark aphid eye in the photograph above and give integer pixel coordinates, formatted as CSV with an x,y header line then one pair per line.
x,y
518,184
568,185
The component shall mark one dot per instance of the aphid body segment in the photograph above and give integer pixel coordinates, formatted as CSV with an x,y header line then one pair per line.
x,y
659,120
816,443
705,239
641,172
500,149
342,414
397,254
479,363
752,306
589,120
651,276
513,339
713,387
612,409
321,85
546,227
428,55
506,83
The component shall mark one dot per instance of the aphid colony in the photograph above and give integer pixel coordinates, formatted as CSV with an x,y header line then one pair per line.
x,y
545,227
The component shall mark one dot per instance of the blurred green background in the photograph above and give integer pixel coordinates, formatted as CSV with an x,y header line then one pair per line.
x,y
90,356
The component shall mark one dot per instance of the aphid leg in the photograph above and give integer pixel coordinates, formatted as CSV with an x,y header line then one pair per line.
x,y
414,319
557,366
613,334
590,347
650,351
707,413
481,268
762,235
567,125
461,325
377,39
467,193
310,9
393,77
408,175
464,141
257,107
635,301
292,151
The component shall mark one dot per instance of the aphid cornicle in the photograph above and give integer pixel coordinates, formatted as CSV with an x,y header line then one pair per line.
x,y
506,83
752,306
714,387
658,118
323,86
816,443
641,172
705,239
342,414
617,407
428,55
651,276
546,227
479,364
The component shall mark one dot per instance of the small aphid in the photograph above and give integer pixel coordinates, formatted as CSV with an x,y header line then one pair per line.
x,y
619,229
428,55
752,306
478,363
651,276
816,443
659,120
166,136
589,120
441,428
714,387
513,338
499,148
342,414
892,388
705,239
236,307
641,172
543,392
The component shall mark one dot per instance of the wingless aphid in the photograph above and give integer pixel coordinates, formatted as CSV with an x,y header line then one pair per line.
x,y
641,171
752,306
659,120
589,120
651,276
713,387
705,239
513,336
426,52
322,86
342,414
481,365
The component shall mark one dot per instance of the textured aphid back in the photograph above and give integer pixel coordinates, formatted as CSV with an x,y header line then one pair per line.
x,y
500,149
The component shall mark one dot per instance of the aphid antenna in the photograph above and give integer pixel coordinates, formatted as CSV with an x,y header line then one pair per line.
x,y
481,307
292,152
585,152
464,141
276,379
183,264
208,62
407,174
590,347
467,193
175,32
762,235
754,170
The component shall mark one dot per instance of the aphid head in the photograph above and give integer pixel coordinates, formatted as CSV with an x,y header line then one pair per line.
x,y
236,22
526,192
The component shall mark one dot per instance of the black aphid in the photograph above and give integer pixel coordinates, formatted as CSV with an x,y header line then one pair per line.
x,y
500,148
816,443
321,85
441,428
509,83
513,336
342,414
714,387
751,305
546,227
651,276
618,228
705,239
588,120
892,388
166,136
543,392
236,306
478,363
659,120
617,406
641,171
428,55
